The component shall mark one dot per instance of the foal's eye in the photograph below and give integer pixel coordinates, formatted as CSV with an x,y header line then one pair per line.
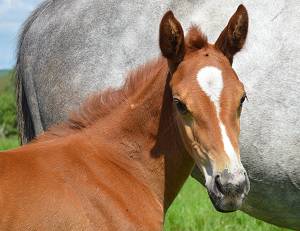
x,y
181,107
243,99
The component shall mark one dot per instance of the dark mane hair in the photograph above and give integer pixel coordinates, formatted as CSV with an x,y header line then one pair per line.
x,y
101,104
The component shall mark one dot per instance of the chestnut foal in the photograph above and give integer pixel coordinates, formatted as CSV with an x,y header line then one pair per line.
x,y
119,163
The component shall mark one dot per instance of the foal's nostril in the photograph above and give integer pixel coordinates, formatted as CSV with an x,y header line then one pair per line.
x,y
219,184
240,188
231,185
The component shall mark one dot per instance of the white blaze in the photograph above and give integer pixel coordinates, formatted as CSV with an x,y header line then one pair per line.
x,y
210,80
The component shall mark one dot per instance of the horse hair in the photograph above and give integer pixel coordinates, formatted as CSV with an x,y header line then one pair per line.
x,y
24,120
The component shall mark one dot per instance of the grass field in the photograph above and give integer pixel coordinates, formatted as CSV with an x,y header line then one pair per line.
x,y
4,72
8,143
6,79
192,210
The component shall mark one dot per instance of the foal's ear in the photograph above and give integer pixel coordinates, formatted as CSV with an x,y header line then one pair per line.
x,y
171,40
233,37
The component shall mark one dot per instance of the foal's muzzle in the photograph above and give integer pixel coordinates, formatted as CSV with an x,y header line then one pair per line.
x,y
228,190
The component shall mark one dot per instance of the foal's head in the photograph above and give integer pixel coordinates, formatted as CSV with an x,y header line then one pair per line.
x,y
208,98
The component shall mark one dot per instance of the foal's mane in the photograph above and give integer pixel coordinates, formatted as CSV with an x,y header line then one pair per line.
x,y
101,104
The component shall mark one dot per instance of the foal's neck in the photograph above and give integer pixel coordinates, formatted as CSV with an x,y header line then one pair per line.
x,y
148,137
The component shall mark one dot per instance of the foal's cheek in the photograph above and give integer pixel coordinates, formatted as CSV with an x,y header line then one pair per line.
x,y
186,134
238,127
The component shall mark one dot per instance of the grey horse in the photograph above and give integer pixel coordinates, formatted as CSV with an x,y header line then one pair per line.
x,y
69,49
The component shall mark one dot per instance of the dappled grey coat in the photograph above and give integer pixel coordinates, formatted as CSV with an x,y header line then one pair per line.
x,y
68,49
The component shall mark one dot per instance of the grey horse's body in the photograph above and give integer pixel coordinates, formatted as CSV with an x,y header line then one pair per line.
x,y
69,49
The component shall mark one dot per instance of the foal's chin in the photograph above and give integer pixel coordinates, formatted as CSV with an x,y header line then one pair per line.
x,y
226,204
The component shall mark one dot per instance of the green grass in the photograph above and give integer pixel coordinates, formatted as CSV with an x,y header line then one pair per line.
x,y
192,210
4,72
8,123
8,143
6,80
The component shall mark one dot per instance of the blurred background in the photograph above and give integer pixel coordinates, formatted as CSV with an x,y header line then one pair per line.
x,y
12,15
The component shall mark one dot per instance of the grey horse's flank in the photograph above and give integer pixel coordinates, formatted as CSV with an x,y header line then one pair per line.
x,y
70,48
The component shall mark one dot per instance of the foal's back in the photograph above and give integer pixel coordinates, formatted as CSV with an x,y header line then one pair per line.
x,y
64,184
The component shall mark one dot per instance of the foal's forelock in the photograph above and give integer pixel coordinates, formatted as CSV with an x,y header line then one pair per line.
x,y
211,82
